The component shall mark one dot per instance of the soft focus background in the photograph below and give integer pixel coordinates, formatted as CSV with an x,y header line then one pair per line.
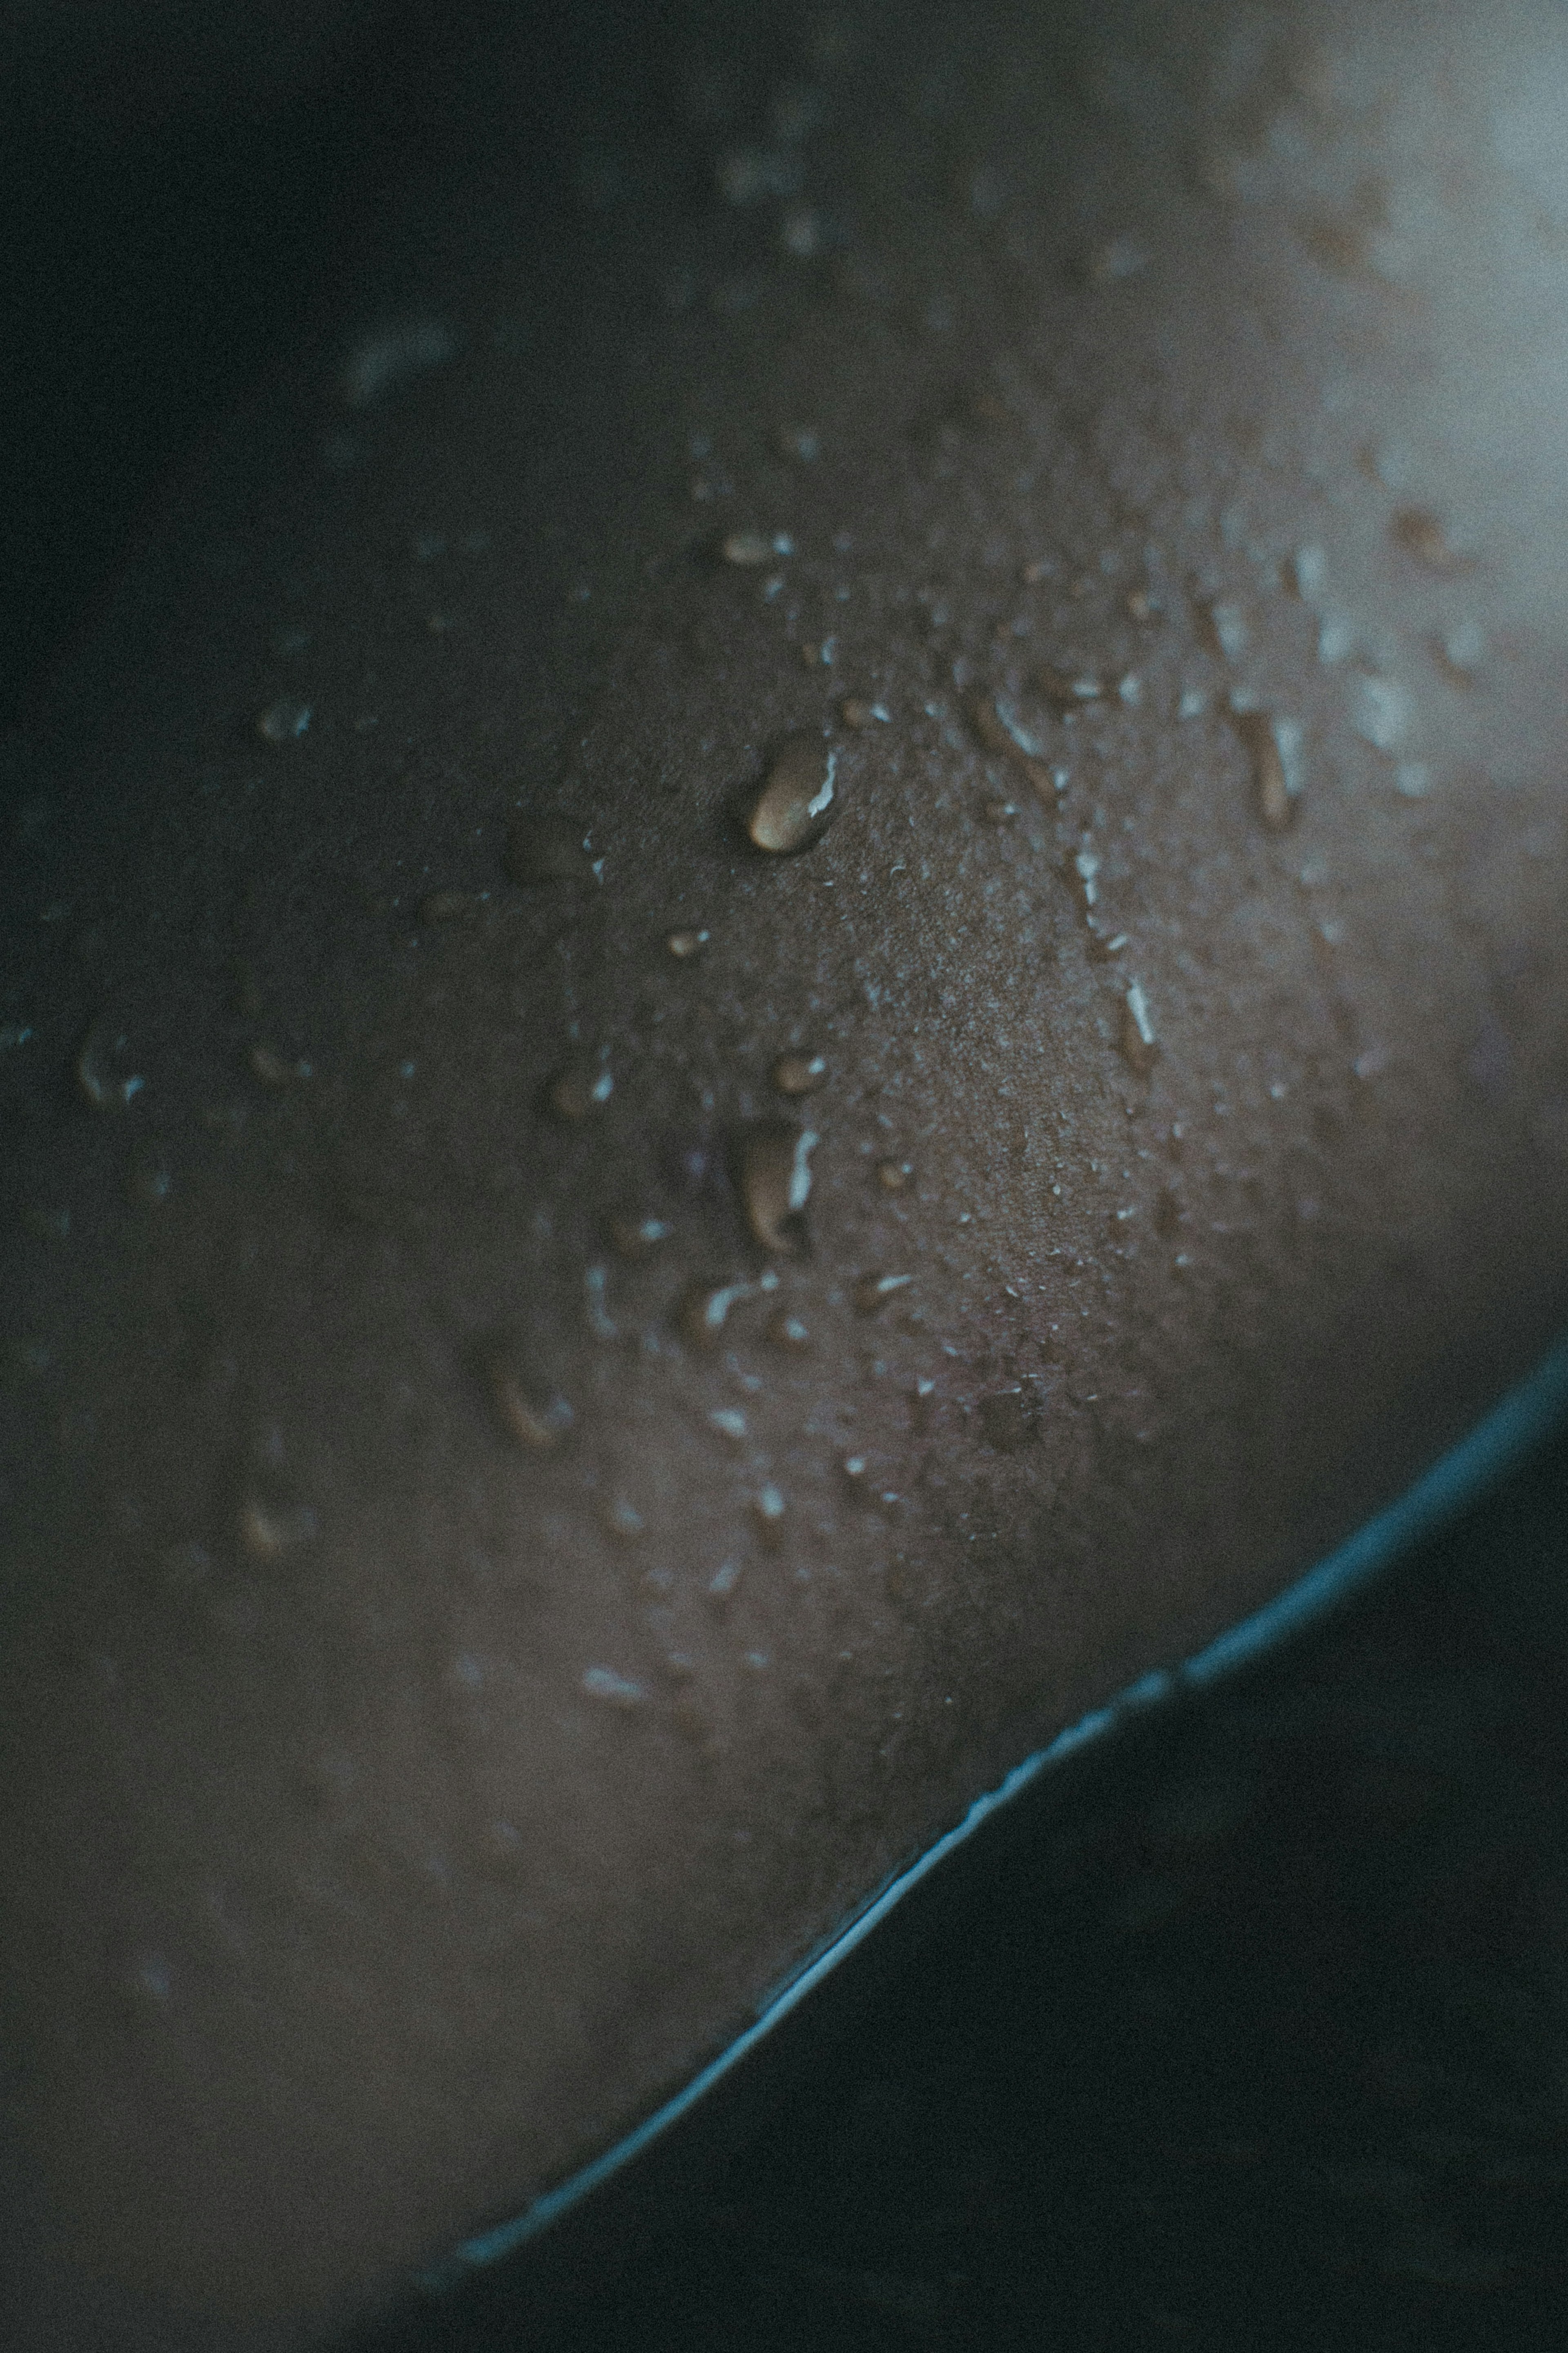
x,y
1263,2042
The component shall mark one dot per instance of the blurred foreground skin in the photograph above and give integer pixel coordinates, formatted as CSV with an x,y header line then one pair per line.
x,y
508,1543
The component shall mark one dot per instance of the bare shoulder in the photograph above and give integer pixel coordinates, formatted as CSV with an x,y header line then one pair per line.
x,y
793,984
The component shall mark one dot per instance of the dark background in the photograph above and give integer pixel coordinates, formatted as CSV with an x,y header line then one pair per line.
x,y
1261,2039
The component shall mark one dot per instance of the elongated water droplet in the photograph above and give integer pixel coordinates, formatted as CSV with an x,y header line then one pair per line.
x,y
637,1237
573,1094
682,944
452,906
798,1074
795,803
600,1322
101,1071
1228,629
1275,748
856,711
998,728
616,1691
546,849
283,721
1086,874
723,1581
705,1307
872,1292
1421,534
1068,689
539,1421
1138,1043
775,1184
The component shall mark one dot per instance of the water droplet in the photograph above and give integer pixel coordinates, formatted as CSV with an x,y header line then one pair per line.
x,y
1086,874
623,1520
775,1184
600,1322
686,943
798,441
801,233
1413,779
1114,260
151,1177
749,548
723,1581
393,355
1010,1418
452,906
617,1691
1068,689
637,1237
542,1422
895,1176
770,1510
100,1070
705,1307
1421,535
856,711
271,1069
1380,714
1228,629
728,1422
1371,1062
1275,748
786,1331
1462,650
1309,574
872,1292
796,804
11,1035
267,1530
1336,640
798,1074
573,1094
1138,1043
820,653
998,729
283,721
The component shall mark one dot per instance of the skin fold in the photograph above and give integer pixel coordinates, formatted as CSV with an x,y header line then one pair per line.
x,y
506,1544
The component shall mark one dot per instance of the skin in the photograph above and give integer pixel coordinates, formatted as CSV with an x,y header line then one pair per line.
x,y
395,1812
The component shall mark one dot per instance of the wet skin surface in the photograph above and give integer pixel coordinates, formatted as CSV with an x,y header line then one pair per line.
x,y
452,1672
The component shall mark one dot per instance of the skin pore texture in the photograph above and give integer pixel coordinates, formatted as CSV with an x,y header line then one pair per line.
x,y
506,1545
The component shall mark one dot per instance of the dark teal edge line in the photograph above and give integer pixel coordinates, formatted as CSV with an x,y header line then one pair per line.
x,y
1523,1417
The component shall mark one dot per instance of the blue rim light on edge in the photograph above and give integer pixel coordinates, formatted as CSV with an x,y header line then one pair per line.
x,y
1526,1414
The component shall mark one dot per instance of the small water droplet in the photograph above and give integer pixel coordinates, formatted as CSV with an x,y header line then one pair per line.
x,y
798,441
1371,1062
600,1322
271,1069
623,1520
1228,630
872,1292
1275,748
770,1510
895,1176
998,729
786,1331
856,711
775,1184
1421,534
1462,650
1138,1043
723,1581
1309,574
1086,867
1010,1418
682,944
1114,260
101,1072
798,1074
820,653
801,232
283,721
573,1094
750,548
706,1307
728,1422
1380,713
540,1421
546,849
452,906
1068,689
795,803
151,1175
638,1237
267,1530
11,1035
1413,779
616,1691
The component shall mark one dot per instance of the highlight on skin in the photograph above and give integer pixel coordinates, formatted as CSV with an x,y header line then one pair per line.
x,y
788,986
